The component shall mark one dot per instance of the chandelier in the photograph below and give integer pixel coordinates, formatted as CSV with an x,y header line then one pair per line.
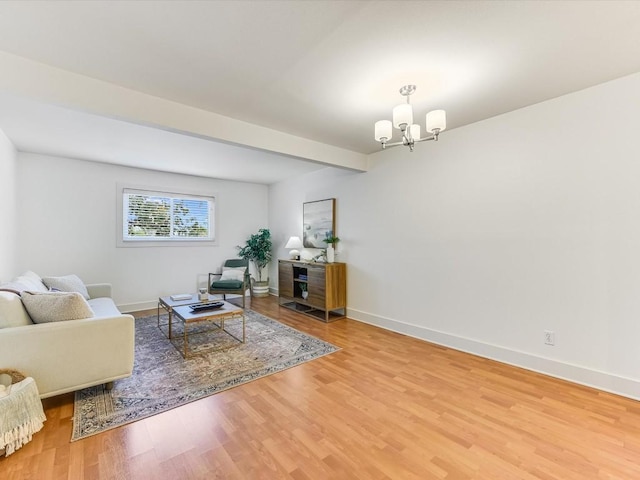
x,y
403,121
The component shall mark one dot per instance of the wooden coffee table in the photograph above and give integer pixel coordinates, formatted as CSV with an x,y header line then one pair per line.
x,y
217,317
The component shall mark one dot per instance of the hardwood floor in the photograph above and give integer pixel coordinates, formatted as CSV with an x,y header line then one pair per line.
x,y
385,406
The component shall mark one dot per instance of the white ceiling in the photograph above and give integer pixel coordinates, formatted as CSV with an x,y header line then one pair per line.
x,y
322,70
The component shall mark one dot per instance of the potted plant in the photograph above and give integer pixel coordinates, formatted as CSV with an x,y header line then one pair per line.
x,y
257,250
303,290
331,240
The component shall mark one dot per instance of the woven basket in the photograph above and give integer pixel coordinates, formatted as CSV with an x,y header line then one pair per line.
x,y
15,375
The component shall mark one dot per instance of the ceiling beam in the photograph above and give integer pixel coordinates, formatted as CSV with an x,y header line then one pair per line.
x,y
67,89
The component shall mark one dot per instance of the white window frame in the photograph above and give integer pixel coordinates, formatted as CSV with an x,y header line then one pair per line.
x,y
124,241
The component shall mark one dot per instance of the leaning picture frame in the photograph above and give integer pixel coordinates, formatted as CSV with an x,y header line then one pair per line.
x,y
318,222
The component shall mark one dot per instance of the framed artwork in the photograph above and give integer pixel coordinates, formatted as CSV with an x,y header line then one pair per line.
x,y
318,221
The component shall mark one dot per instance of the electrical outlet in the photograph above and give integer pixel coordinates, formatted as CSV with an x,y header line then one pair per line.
x,y
549,337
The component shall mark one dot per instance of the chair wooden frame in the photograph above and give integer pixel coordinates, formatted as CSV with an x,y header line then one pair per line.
x,y
246,284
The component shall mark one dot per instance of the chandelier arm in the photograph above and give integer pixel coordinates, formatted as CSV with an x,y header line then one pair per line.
x,y
426,139
394,144
406,144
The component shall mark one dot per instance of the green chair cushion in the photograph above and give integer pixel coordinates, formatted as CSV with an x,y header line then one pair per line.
x,y
236,262
226,285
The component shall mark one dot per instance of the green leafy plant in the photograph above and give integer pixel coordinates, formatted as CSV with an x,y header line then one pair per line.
x,y
330,239
303,287
257,250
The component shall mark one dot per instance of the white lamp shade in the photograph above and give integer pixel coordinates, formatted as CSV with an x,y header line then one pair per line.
x,y
294,242
402,114
383,130
437,119
414,130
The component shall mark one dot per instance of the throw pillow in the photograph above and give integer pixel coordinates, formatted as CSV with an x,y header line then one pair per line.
x,y
67,283
12,311
30,283
32,275
233,273
12,287
56,306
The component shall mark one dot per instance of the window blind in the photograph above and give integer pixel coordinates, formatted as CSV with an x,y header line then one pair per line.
x,y
162,216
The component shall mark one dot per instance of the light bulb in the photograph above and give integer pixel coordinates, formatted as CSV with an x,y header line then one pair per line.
x,y
402,114
384,130
436,120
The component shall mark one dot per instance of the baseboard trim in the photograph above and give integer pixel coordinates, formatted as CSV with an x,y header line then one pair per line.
x,y
136,307
604,381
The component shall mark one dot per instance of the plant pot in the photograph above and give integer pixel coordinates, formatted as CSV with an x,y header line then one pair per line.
x,y
330,254
305,294
260,289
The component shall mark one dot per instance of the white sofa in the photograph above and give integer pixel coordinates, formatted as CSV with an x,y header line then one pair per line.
x,y
65,356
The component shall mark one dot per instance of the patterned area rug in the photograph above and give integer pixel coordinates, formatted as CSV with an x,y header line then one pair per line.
x,y
162,379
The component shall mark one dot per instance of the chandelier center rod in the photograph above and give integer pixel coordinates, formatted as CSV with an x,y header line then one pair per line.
x,y
407,91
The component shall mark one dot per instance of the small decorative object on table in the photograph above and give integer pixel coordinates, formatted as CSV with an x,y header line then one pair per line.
x,y
203,295
331,242
181,296
199,307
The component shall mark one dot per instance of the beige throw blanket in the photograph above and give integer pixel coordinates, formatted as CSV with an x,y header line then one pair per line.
x,y
21,415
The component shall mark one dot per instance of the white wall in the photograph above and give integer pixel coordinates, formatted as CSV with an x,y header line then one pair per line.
x,y
67,224
8,156
285,212
503,229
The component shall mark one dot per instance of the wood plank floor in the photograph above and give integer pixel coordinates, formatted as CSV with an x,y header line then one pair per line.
x,y
384,407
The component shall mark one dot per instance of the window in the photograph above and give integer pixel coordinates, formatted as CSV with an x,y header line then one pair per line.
x,y
165,218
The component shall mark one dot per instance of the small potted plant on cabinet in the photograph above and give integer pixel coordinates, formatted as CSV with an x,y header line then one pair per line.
x,y
258,251
331,240
303,291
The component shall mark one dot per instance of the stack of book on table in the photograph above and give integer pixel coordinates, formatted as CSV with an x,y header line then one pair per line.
x,y
181,296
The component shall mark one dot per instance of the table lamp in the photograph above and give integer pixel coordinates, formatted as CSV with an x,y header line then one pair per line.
x,y
294,243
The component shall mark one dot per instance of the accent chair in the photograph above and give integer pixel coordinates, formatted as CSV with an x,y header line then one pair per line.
x,y
234,279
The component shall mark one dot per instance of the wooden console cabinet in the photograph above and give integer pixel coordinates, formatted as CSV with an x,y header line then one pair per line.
x,y
326,284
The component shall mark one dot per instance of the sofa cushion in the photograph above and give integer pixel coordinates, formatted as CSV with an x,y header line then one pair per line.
x,y
27,281
67,283
104,307
12,287
12,311
56,306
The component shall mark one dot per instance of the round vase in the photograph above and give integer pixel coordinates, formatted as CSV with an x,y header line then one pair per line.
x,y
305,294
330,254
